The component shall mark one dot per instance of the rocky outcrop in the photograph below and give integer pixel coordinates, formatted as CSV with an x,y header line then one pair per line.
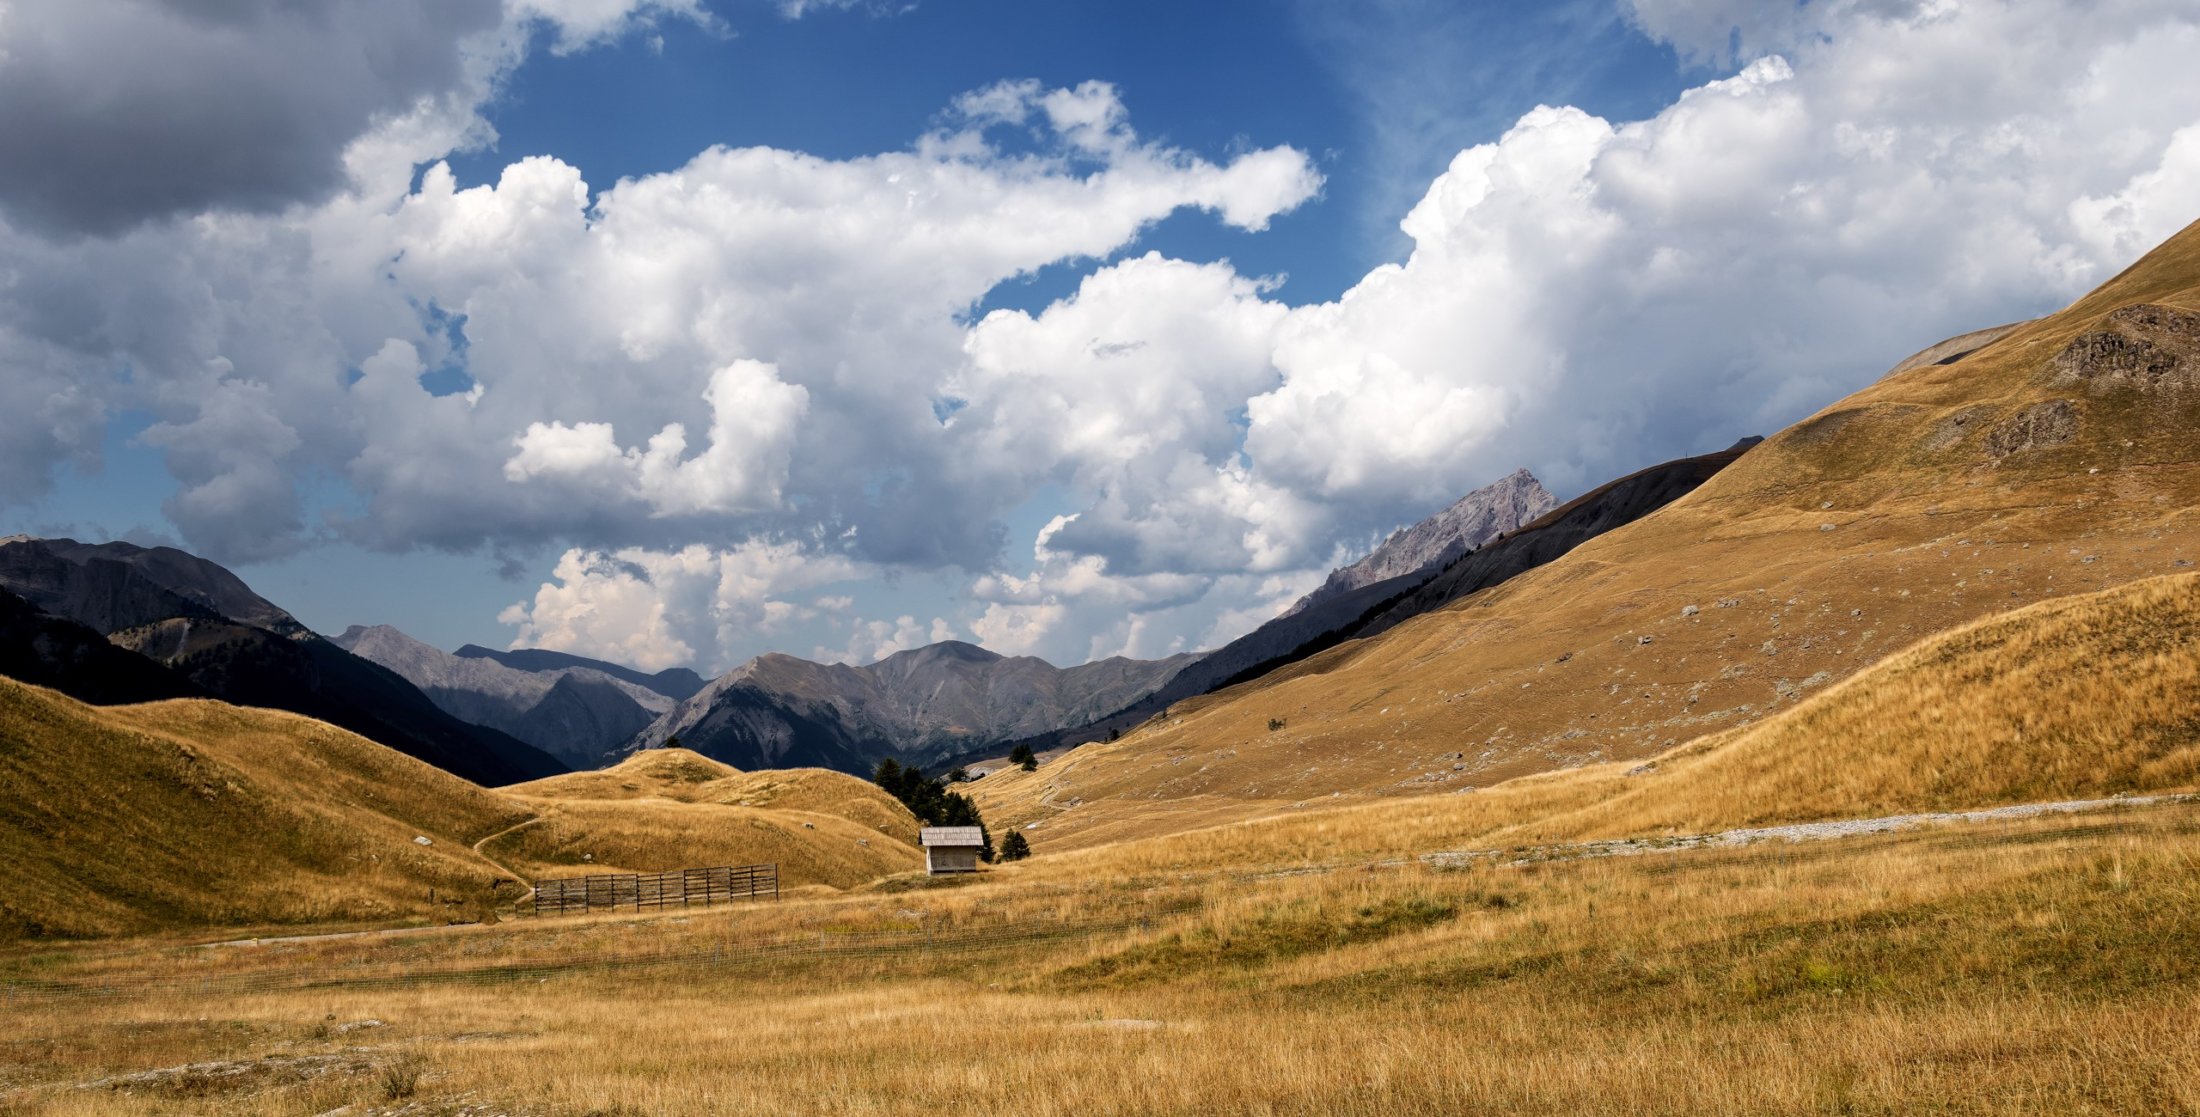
x,y
1476,518
2037,427
2145,346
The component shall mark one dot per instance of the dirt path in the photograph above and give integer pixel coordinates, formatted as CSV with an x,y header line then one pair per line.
x,y
478,850
516,874
1795,832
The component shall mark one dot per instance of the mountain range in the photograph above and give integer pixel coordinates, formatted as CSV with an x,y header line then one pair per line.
x,y
117,622
934,706
578,710
193,628
1999,469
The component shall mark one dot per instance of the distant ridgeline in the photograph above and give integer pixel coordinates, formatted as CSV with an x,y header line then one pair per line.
x,y
115,622
1367,598
177,625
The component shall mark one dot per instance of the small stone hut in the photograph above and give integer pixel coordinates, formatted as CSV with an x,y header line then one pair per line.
x,y
951,849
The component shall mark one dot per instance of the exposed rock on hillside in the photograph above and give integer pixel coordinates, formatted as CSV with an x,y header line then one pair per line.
x,y
1478,517
2145,346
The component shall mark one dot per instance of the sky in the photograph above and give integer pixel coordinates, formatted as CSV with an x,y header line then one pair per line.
x,y
677,331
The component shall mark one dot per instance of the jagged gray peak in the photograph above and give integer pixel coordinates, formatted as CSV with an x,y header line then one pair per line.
x,y
1501,506
577,714
924,704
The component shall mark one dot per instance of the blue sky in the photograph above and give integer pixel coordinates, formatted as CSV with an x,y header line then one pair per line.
x,y
1072,329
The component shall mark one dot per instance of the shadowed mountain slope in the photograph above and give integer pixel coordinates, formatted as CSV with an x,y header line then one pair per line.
x,y
39,648
2062,458
776,711
577,714
201,622
1368,609
673,682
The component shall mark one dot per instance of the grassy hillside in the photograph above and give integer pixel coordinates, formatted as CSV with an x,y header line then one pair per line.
x,y
650,773
2061,459
573,837
690,777
195,813
660,805
2088,697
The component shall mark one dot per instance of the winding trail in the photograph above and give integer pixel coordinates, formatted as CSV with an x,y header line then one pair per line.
x,y
393,931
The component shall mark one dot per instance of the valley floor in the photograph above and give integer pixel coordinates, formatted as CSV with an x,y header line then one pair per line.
x,y
2047,964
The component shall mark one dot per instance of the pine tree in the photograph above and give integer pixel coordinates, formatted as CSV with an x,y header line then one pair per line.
x,y
1022,757
1014,847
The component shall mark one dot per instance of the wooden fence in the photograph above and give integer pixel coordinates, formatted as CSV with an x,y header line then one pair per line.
x,y
678,888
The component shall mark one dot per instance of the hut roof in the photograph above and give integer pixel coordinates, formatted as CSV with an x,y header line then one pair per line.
x,y
951,836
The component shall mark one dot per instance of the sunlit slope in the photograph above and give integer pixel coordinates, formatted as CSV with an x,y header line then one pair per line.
x,y
651,773
577,837
2059,459
673,808
2080,698
197,813
691,777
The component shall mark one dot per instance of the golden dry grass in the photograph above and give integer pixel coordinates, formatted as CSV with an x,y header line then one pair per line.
x,y
574,837
2042,967
685,776
1850,536
2087,697
198,814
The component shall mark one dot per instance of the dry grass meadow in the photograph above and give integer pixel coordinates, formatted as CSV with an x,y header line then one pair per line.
x,y
1347,960
2049,966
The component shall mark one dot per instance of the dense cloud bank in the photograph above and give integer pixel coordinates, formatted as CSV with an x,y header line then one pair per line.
x,y
723,389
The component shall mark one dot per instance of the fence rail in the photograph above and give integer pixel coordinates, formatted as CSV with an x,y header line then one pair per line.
x,y
676,889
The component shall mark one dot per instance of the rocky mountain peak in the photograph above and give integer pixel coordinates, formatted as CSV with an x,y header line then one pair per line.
x,y
1502,506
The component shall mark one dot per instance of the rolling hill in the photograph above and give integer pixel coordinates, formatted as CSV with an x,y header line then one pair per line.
x,y
198,813
2061,458
194,813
